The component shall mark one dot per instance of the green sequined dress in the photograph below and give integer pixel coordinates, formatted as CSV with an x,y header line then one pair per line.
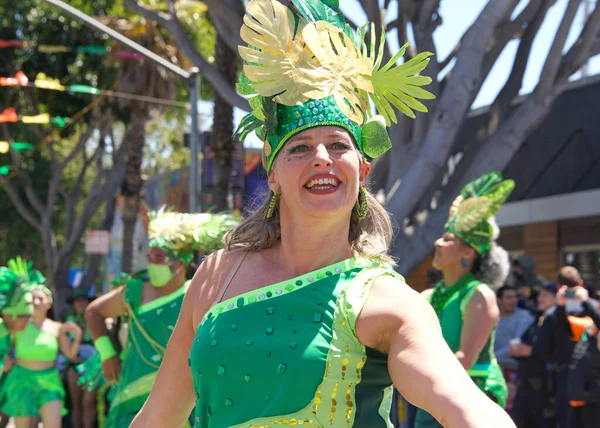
x,y
287,354
486,372
149,328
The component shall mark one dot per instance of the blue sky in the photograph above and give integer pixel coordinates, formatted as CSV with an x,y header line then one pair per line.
x,y
457,16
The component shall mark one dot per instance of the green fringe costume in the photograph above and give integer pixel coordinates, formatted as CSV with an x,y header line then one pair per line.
x,y
150,324
469,214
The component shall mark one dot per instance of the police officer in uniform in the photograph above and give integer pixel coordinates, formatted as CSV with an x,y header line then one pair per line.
x,y
534,404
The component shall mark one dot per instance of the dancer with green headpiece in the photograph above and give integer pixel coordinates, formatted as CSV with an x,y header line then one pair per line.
x,y
150,303
33,388
471,263
16,307
302,320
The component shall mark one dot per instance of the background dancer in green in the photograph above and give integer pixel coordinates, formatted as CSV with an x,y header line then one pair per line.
x,y
33,388
303,321
16,306
150,303
471,263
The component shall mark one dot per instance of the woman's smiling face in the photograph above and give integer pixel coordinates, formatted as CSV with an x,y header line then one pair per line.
x,y
319,172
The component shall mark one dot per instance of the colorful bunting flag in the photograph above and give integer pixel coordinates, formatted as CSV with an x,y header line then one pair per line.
x,y
45,82
9,115
4,169
92,49
84,89
53,49
11,44
18,146
40,118
19,79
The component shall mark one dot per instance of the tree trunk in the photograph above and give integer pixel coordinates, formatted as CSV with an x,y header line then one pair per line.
x,y
222,143
131,188
60,280
96,259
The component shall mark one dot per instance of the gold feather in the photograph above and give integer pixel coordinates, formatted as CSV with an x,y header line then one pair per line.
x,y
471,212
276,61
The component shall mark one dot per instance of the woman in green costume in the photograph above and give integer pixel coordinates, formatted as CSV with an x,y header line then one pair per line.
x,y
150,304
16,308
471,263
33,388
302,320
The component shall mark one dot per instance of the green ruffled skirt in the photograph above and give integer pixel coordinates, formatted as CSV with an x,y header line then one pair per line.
x,y
25,391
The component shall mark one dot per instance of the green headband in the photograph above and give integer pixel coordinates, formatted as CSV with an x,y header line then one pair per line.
x,y
306,68
478,201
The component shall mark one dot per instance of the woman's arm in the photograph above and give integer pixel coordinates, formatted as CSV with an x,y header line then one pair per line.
x,y
400,323
172,397
110,305
68,348
481,316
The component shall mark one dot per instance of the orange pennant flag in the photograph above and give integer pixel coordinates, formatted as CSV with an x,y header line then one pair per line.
x,y
19,79
9,115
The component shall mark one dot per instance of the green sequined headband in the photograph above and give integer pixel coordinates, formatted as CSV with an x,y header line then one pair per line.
x,y
478,201
306,68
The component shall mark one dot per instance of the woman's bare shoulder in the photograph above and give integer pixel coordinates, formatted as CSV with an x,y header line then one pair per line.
x,y
210,276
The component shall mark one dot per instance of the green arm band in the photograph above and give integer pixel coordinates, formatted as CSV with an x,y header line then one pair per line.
x,y
105,348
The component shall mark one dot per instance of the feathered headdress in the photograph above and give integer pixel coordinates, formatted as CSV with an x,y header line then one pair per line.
x,y
17,280
305,68
180,234
478,201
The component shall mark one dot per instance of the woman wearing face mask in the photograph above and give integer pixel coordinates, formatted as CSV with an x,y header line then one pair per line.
x,y
33,389
16,308
149,302
471,263
303,321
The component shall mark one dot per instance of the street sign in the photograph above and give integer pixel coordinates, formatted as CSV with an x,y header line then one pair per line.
x,y
97,242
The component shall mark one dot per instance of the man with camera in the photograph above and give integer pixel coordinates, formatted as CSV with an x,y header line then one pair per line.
x,y
572,319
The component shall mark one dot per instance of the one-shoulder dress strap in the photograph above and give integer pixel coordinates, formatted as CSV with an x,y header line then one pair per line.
x,y
230,276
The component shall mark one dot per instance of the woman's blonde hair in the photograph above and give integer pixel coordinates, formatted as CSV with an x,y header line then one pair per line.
x,y
370,237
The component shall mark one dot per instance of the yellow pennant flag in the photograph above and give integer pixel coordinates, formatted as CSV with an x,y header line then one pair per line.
x,y
53,49
4,147
43,81
40,118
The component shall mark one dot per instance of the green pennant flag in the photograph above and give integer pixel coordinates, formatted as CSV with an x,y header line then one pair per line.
x,y
60,121
21,146
92,49
84,89
4,169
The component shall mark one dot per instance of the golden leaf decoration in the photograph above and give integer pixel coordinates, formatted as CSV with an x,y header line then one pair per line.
x,y
471,212
276,61
341,70
456,203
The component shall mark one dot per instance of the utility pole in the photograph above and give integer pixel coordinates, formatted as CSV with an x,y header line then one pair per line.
x,y
191,77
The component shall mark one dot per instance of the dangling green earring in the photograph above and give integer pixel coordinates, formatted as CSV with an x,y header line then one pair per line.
x,y
274,203
362,205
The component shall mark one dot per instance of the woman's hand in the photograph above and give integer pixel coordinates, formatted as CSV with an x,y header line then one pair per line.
x,y
111,369
74,329
9,363
520,350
